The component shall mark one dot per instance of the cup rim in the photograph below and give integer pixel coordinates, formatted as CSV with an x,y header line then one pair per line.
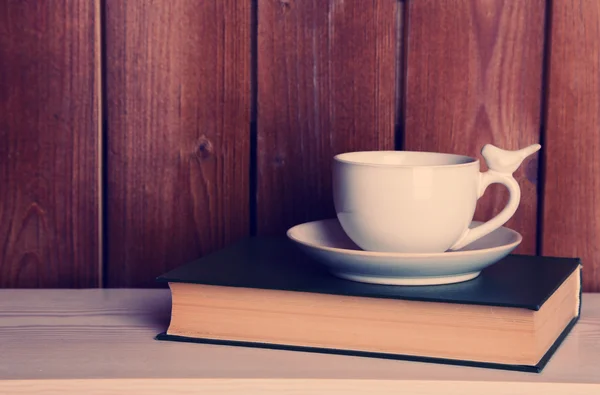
x,y
466,160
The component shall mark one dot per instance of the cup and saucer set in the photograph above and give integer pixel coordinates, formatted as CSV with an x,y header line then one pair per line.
x,y
406,218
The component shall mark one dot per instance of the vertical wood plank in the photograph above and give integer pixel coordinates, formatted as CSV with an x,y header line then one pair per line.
x,y
178,108
571,215
474,75
326,84
49,114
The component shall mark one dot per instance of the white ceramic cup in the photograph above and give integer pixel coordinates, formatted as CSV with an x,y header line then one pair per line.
x,y
420,202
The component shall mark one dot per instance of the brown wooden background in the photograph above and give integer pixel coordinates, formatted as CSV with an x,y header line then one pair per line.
x,y
137,135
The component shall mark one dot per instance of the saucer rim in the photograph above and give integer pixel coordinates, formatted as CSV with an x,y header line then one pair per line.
x,y
402,254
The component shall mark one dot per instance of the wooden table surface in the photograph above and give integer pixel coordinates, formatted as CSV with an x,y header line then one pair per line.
x,y
98,341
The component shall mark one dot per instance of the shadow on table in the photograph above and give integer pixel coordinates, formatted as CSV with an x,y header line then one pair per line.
x,y
154,311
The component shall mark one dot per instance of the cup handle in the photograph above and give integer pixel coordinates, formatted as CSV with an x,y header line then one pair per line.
x,y
501,166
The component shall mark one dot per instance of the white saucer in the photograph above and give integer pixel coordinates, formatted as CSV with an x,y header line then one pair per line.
x,y
326,241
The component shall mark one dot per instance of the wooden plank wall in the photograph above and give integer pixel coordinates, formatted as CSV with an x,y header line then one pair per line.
x,y
326,84
177,116
474,76
571,214
49,143
220,119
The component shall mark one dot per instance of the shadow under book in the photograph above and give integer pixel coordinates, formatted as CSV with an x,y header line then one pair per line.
x,y
265,292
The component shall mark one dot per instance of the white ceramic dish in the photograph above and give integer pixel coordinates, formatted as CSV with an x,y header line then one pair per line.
x,y
326,241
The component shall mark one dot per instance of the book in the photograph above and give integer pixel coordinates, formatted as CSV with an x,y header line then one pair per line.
x,y
266,292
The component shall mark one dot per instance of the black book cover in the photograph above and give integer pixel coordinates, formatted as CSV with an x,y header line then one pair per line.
x,y
518,281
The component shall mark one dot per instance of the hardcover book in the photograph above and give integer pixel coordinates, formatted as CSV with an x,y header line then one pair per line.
x,y
266,292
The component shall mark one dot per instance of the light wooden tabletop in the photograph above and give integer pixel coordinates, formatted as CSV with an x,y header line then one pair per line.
x,y
102,340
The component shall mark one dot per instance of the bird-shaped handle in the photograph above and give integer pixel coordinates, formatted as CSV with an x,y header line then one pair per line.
x,y
504,161
501,165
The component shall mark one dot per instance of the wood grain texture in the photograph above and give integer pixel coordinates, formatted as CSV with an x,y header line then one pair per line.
x,y
106,336
178,131
287,386
49,133
326,84
474,75
571,215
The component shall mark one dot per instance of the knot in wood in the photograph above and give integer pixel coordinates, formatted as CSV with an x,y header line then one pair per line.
x,y
285,4
205,148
